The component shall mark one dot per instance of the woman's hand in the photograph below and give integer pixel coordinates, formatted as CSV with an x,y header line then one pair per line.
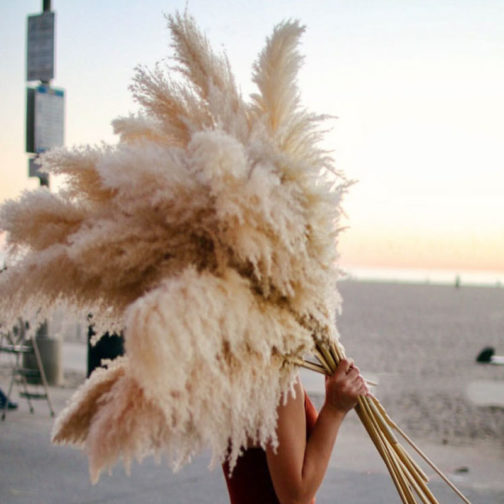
x,y
344,387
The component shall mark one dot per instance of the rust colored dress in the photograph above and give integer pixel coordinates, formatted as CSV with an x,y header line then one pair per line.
x,y
251,482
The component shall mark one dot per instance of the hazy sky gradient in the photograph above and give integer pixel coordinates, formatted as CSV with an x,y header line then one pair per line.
x,y
417,86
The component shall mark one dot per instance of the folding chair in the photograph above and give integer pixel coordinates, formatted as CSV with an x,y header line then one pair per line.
x,y
16,343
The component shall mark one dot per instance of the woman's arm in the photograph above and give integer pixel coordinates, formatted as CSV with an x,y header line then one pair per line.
x,y
298,466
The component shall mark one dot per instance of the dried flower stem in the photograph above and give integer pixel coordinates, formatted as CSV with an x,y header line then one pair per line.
x,y
374,435
322,370
309,365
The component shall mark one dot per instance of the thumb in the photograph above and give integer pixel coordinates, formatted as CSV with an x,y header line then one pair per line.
x,y
343,367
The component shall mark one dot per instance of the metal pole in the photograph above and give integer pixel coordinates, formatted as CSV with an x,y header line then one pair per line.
x,y
46,7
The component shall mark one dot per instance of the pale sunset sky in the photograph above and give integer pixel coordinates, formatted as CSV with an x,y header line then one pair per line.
x,y
417,85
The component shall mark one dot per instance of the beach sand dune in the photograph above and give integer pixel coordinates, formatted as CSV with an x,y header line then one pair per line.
x,y
421,342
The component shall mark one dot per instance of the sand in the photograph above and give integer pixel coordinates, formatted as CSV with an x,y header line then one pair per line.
x,y
421,341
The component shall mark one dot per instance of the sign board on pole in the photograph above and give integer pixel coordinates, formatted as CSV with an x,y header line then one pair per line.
x,y
35,171
40,47
45,118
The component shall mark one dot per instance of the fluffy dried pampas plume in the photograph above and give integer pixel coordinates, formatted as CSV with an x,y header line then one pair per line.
x,y
209,234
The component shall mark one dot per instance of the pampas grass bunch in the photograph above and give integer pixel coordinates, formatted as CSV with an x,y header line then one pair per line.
x,y
208,233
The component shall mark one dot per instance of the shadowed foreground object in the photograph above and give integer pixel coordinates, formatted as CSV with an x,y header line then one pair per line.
x,y
487,356
209,235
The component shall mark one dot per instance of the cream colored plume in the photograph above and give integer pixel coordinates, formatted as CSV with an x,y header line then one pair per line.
x,y
208,233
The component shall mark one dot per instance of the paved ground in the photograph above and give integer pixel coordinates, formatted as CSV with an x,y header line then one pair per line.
x,y
32,471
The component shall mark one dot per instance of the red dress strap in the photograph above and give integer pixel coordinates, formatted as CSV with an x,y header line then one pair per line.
x,y
251,482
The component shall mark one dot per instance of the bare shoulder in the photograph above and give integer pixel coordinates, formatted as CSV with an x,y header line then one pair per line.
x,y
291,415
285,461
294,400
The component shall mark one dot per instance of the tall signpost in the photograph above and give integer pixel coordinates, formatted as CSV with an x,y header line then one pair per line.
x,y
45,110
45,105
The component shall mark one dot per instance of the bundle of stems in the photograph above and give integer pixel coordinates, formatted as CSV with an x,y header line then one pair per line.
x,y
409,479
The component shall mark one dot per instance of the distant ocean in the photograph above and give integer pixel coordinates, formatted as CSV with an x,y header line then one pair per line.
x,y
413,275
427,276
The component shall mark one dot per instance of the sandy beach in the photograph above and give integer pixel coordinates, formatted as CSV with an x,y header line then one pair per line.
x,y
421,341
